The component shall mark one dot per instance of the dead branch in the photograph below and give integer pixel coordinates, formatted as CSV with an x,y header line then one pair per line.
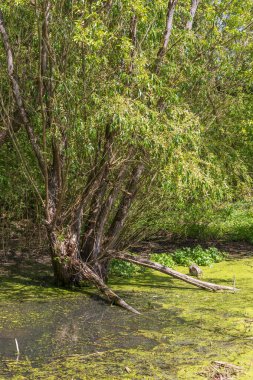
x,y
171,272
92,277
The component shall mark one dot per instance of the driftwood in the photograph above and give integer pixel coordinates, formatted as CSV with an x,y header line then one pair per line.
x,y
171,272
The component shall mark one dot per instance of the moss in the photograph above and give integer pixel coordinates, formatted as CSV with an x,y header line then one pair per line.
x,y
67,335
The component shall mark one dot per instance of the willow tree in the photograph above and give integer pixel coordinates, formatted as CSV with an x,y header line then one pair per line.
x,y
98,89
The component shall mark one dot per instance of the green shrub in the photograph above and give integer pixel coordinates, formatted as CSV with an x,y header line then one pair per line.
x,y
123,269
183,256
234,223
163,259
197,255
187,256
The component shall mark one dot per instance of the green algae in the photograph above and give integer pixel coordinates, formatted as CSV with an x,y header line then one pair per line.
x,y
180,332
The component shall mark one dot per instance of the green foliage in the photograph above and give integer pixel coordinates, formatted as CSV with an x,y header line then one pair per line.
x,y
122,268
163,259
197,255
187,256
232,222
190,122
184,257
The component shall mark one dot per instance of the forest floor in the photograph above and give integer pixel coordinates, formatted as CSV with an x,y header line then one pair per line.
x,y
235,249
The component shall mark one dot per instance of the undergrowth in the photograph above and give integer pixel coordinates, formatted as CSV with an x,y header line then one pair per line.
x,y
229,222
183,257
197,255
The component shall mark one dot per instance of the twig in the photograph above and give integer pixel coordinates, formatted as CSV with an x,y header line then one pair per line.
x,y
17,347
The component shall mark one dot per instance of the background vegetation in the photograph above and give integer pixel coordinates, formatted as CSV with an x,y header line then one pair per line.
x,y
194,116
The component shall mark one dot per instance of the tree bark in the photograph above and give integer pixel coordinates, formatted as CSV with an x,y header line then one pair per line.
x,y
167,32
70,270
123,209
193,10
171,272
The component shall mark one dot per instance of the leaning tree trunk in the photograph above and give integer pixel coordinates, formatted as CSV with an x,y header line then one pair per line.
x,y
171,272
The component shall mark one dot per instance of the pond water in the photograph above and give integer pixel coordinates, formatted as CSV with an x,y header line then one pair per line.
x,y
76,335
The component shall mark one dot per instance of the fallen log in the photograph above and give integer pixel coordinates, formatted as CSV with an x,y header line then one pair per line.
x,y
171,272
92,277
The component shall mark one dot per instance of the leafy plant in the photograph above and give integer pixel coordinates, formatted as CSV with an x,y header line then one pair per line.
x,y
187,256
198,255
163,259
122,268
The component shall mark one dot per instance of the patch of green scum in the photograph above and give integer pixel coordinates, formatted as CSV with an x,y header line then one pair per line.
x,y
216,326
113,365
26,314
187,328
19,288
117,364
17,293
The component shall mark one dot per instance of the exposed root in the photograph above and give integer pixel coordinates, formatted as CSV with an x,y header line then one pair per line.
x,y
171,272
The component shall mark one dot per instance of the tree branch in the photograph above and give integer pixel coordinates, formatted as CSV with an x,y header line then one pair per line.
x,y
133,36
17,95
16,124
167,32
193,10
92,277
124,206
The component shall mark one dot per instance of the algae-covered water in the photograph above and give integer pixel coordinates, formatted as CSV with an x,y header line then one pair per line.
x,y
76,335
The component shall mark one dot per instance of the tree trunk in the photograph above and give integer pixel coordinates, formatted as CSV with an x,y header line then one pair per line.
x,y
93,251
70,270
171,272
63,253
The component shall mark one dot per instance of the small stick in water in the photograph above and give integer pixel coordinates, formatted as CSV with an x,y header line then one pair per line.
x,y
17,347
